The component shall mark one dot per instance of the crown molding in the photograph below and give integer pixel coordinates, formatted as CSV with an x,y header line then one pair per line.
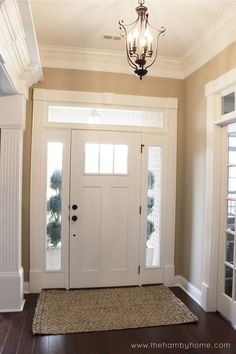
x,y
106,61
18,46
220,35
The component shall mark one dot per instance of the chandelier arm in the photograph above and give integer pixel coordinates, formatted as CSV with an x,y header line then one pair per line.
x,y
160,30
156,50
123,25
130,62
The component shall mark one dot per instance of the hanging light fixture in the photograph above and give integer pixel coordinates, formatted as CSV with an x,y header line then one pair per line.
x,y
141,41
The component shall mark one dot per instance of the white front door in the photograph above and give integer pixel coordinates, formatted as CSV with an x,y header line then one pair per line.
x,y
104,208
226,297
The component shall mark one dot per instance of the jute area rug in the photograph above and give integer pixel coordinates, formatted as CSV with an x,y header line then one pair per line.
x,y
70,311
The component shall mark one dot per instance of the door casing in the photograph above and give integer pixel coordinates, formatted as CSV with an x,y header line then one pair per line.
x,y
43,99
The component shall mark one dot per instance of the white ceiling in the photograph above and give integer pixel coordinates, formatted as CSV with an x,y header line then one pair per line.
x,y
80,25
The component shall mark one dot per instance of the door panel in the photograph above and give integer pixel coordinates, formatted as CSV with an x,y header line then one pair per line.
x,y
91,252
104,240
118,228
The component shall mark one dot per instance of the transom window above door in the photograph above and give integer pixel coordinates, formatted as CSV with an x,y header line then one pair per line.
x,y
106,158
105,116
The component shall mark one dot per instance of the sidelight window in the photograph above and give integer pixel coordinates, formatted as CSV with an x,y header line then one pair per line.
x,y
53,218
153,206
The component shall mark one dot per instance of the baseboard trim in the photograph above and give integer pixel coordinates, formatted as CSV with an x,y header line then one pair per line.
x,y
11,285
26,287
14,309
189,288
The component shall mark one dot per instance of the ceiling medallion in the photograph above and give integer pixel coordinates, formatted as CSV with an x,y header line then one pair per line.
x,y
141,41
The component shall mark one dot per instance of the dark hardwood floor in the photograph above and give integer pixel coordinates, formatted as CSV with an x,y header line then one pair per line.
x,y
211,334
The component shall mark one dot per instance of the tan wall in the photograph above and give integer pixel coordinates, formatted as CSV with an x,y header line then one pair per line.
x,y
191,152
194,145
76,80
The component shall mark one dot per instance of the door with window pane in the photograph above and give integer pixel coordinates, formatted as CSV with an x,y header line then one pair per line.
x,y
104,208
227,259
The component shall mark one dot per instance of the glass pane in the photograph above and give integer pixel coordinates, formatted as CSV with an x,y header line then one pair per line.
x,y
228,281
103,116
91,158
231,214
229,248
232,149
106,158
54,183
231,182
228,103
153,206
121,159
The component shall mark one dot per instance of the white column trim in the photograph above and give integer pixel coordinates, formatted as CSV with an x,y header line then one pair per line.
x,y
13,111
11,156
18,46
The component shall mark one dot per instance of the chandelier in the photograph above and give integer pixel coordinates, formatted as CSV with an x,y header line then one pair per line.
x,y
141,41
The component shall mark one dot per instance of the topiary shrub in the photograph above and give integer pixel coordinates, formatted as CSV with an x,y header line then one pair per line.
x,y
54,209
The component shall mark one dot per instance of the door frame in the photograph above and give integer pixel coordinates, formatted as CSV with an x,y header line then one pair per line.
x,y
42,99
214,90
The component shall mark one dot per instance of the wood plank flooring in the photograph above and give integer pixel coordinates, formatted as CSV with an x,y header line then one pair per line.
x,y
211,334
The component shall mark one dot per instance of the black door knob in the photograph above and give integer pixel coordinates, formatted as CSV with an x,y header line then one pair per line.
x,y
74,218
74,207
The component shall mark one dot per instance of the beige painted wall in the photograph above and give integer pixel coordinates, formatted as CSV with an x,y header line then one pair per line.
x,y
194,145
76,80
191,157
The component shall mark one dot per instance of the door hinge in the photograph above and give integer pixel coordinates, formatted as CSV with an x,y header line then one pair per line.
x,y
142,146
139,269
140,210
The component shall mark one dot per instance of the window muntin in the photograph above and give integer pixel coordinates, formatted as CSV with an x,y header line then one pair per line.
x,y
106,159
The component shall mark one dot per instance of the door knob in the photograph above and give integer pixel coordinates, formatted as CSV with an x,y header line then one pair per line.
x,y
74,207
74,218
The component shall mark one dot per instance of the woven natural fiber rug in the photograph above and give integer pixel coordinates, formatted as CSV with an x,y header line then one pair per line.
x,y
70,311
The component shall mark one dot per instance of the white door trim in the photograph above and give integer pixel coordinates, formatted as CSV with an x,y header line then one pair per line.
x,y
42,99
213,91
